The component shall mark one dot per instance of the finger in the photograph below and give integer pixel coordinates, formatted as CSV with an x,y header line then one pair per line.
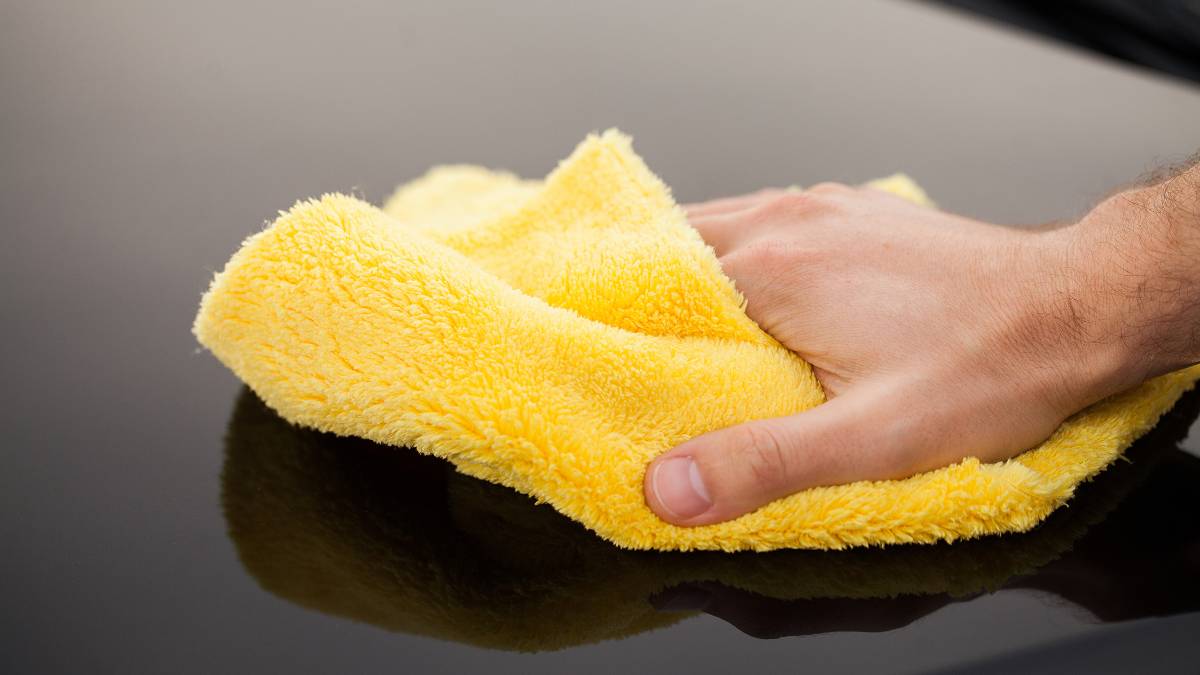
x,y
730,230
778,277
732,471
769,218
723,232
728,204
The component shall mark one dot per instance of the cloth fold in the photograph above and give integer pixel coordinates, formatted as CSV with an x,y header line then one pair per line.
x,y
556,336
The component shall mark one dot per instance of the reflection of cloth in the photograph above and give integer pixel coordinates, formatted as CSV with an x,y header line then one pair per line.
x,y
388,537
556,337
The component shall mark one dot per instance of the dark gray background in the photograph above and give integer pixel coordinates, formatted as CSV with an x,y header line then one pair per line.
x,y
141,141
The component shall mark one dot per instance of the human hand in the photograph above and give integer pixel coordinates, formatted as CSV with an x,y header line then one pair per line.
x,y
935,337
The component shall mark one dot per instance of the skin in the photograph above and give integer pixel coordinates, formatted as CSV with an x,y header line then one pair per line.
x,y
953,337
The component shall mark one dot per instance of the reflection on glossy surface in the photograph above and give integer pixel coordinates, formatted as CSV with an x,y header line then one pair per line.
x,y
389,537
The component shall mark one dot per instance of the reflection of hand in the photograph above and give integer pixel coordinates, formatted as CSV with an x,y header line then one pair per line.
x,y
393,538
1139,562
1143,559
936,337
764,617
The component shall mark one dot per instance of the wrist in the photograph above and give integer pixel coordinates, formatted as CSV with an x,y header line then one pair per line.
x,y
1129,289
1068,323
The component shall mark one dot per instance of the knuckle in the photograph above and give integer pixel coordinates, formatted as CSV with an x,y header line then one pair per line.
x,y
831,188
791,206
764,456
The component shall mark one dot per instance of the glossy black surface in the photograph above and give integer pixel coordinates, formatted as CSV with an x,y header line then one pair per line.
x,y
156,518
401,541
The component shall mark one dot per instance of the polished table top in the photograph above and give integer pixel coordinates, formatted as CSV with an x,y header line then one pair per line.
x,y
157,518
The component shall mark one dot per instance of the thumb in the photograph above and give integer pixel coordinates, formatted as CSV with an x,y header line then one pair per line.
x,y
726,473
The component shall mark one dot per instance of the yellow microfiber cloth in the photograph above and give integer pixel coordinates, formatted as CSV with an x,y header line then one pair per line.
x,y
555,337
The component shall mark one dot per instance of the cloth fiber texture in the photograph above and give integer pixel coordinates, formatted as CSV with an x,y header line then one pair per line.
x,y
556,336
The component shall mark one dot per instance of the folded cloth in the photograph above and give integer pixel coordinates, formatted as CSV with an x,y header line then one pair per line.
x,y
555,337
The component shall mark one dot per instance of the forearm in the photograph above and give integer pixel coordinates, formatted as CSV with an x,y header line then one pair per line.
x,y
1133,281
